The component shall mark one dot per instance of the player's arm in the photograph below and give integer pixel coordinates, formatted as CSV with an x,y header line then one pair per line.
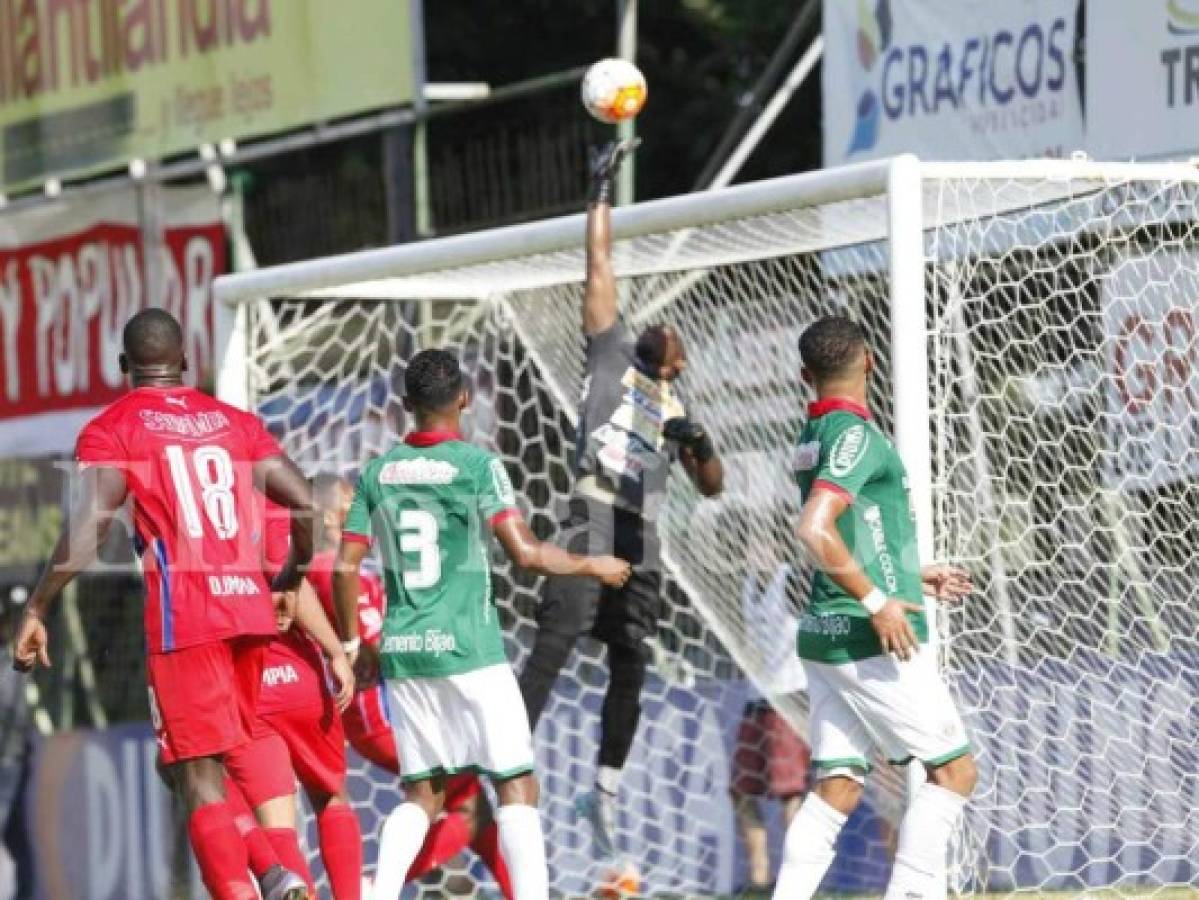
x,y
102,492
279,478
311,617
599,297
347,587
819,536
544,558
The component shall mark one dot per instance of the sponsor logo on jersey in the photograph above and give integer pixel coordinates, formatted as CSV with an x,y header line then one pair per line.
x,y
434,641
418,471
502,483
177,401
187,425
873,518
273,676
233,586
826,626
848,450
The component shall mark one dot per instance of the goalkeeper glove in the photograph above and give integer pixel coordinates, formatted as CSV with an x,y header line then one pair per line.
x,y
691,436
605,163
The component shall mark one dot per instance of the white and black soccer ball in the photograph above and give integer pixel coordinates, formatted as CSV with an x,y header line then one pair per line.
x,y
614,90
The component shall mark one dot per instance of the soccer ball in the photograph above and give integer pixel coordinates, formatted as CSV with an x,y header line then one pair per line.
x,y
620,882
614,90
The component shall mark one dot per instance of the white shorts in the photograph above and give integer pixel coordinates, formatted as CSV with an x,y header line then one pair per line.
x,y
902,710
475,721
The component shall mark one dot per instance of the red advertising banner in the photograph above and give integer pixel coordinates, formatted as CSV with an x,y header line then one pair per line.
x,y
69,280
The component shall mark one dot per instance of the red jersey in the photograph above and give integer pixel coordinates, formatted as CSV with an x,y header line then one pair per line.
x,y
293,676
367,714
188,461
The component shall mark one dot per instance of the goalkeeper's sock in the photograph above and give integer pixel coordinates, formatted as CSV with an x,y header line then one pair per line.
x,y
220,852
286,844
523,846
920,867
341,849
399,842
487,845
447,837
808,849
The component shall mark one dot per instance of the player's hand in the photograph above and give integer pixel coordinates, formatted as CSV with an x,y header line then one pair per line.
x,y
605,163
894,630
31,645
691,436
343,677
612,571
947,583
285,609
366,666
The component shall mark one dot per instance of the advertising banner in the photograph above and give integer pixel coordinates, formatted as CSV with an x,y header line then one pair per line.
x,y
89,85
950,79
1152,328
71,275
1142,78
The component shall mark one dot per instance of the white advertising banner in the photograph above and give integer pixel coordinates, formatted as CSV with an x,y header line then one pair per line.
x,y
950,79
1151,320
1142,78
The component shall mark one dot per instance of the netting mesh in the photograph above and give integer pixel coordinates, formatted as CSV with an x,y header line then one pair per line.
x,y
1066,441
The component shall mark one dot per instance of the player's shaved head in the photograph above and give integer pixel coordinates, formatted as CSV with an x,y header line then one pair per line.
x,y
152,338
833,348
433,382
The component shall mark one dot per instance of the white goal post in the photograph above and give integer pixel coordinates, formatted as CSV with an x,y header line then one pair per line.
x,y
1035,324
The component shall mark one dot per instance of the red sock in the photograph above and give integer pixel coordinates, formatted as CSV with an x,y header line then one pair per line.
x,y
447,837
220,852
341,850
262,855
487,845
286,845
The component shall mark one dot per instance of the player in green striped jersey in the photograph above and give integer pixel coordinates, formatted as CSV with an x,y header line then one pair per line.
x,y
455,706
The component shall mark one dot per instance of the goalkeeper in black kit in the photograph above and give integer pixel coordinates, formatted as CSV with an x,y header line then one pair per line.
x,y
632,427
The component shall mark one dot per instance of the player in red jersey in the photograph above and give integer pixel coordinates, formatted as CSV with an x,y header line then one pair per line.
x,y
467,821
299,731
192,465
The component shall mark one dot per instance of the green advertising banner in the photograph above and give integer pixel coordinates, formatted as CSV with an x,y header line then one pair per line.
x,y
87,85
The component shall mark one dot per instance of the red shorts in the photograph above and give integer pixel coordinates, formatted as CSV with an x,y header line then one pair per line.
x,y
304,744
771,760
190,692
380,748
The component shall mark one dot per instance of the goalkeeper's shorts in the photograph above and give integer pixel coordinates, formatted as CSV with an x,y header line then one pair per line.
x,y
574,606
882,706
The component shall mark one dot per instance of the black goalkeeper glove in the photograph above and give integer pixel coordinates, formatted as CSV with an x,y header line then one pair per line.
x,y
605,163
691,436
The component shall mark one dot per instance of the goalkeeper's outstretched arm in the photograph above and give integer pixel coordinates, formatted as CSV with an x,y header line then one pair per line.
x,y
599,299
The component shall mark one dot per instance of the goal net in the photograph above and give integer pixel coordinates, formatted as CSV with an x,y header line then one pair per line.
x,y
1040,370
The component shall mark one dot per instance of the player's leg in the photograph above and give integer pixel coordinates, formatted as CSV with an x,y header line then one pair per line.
x,y
502,745
404,833
261,767
451,833
746,787
567,610
422,710
915,716
196,726
913,713
841,749
788,762
262,771
316,745
486,844
521,838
